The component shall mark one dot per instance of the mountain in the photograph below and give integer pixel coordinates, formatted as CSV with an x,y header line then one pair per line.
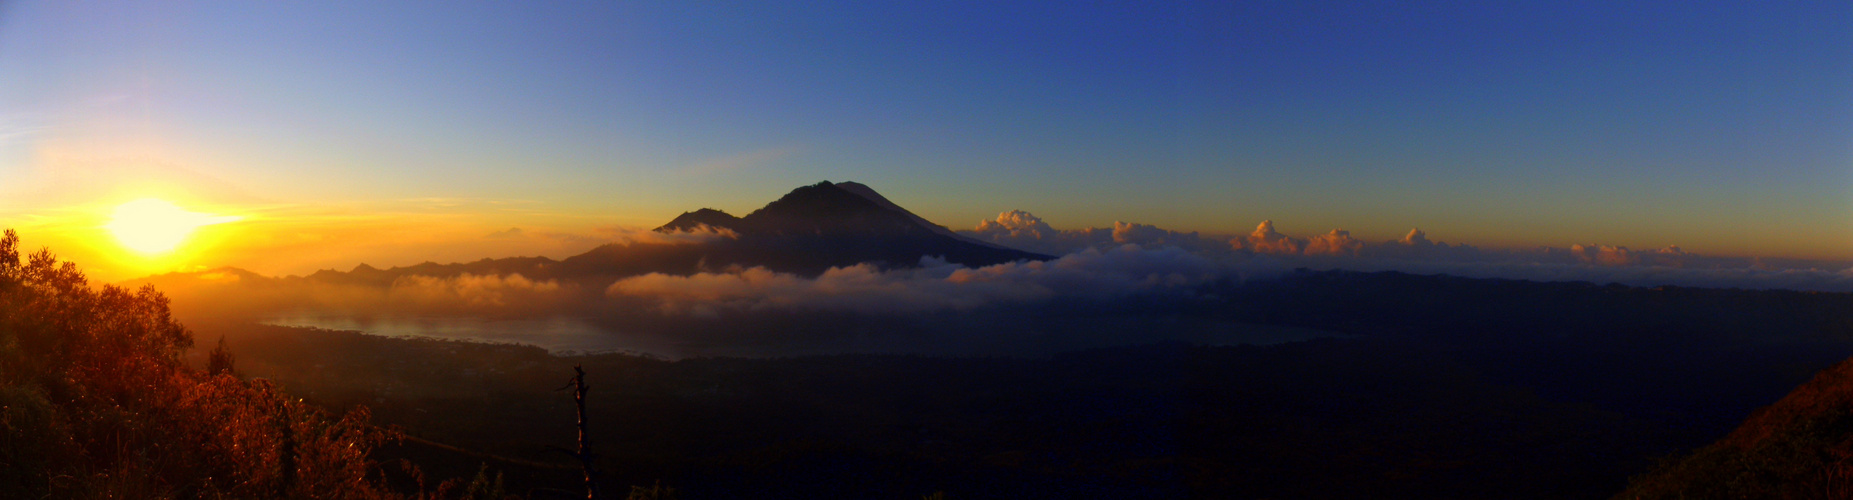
x,y
222,276
807,231
811,229
825,207
691,221
817,227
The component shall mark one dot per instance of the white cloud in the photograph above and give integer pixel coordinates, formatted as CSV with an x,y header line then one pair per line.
x,y
1417,252
1022,230
936,286
701,233
473,291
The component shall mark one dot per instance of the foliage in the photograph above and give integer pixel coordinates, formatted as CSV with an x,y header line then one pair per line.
x,y
1799,448
220,361
1812,460
655,492
96,403
480,487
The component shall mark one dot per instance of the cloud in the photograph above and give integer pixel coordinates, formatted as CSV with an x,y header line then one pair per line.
x,y
1125,233
1416,238
1416,251
1016,224
936,286
1022,230
1337,242
699,234
473,291
19,127
227,293
1266,240
1602,255
1094,264
740,161
860,288
1417,246
1094,274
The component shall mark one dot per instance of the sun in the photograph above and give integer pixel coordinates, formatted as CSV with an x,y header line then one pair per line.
x,y
152,227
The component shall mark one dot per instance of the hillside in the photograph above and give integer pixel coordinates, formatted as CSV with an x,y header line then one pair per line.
x,y
95,402
1799,447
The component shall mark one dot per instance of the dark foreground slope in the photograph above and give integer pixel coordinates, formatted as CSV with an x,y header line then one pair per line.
x,y
1801,447
1438,388
1322,419
95,403
1319,419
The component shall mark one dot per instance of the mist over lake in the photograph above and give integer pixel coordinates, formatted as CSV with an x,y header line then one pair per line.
x,y
943,335
557,334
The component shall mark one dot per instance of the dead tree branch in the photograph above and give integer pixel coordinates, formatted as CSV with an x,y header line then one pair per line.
x,y
585,455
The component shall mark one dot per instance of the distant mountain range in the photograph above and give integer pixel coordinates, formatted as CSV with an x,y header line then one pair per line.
x,y
808,231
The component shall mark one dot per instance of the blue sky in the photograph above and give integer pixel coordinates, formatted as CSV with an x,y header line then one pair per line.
x,y
1722,127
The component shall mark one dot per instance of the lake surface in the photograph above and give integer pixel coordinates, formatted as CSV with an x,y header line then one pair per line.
x,y
558,334
965,336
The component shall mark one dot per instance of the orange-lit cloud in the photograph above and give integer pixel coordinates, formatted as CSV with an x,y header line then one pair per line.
x,y
1022,230
1337,242
1266,240
475,291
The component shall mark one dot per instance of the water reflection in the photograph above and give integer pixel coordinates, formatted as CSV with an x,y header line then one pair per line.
x,y
967,335
558,334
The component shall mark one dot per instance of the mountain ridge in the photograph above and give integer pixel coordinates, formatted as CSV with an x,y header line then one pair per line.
x,y
807,231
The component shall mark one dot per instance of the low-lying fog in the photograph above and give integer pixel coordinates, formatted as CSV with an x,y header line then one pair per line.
x,y
1132,285
557,334
950,335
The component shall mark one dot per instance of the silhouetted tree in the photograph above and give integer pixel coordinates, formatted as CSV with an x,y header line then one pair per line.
x,y
96,403
584,454
220,360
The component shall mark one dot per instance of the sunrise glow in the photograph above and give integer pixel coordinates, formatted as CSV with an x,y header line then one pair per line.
x,y
151,226
1035,250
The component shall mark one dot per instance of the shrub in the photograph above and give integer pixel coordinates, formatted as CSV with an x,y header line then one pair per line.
x,y
95,403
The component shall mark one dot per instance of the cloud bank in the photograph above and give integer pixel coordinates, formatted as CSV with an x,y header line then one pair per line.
x,y
1024,230
1419,253
701,233
934,286
1094,264
1094,274
473,291
226,293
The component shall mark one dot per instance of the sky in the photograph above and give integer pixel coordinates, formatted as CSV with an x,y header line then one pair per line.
x,y
326,134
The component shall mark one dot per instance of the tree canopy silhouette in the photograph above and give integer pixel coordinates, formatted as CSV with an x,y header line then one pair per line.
x,y
95,402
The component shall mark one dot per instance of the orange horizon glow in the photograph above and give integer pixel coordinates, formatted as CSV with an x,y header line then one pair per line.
x,y
140,227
